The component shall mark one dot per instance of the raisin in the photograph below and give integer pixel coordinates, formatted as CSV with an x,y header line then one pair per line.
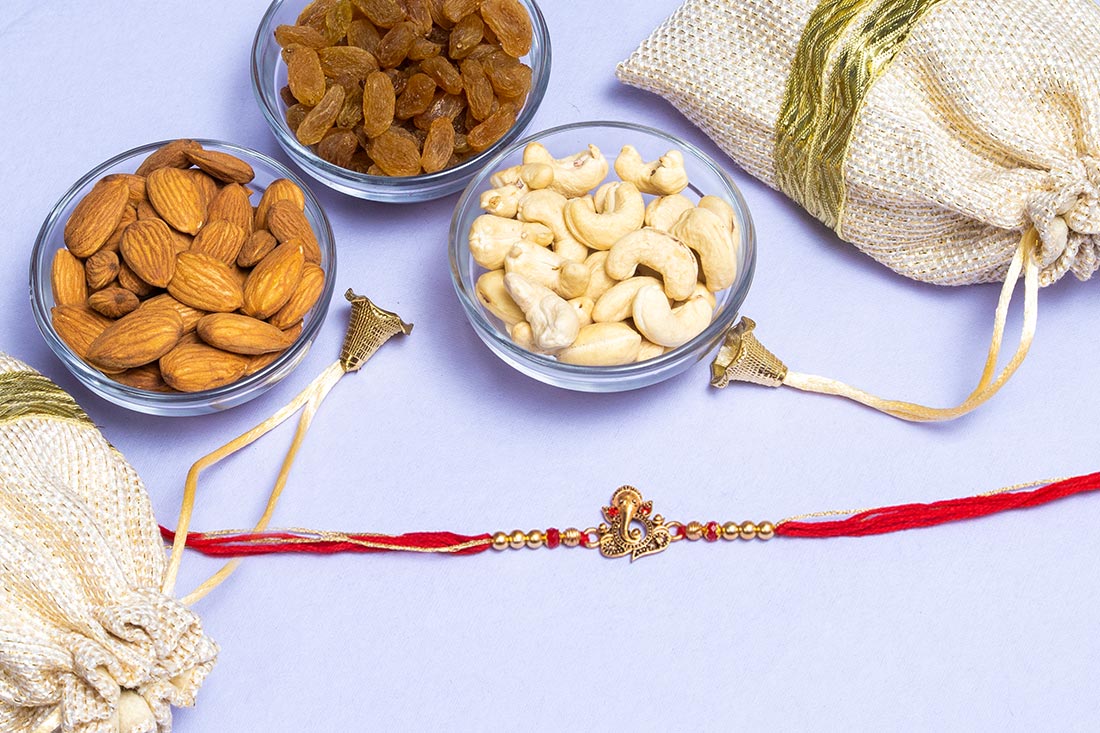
x,y
438,146
484,49
362,34
417,97
378,103
303,35
287,96
456,10
492,129
321,117
394,46
347,60
443,73
479,91
395,154
511,24
465,36
360,162
508,76
315,12
304,75
338,146
337,21
398,79
444,105
435,7
351,114
383,13
422,49
295,114
419,14
462,145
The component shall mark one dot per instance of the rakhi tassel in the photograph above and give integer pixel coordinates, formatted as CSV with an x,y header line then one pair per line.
x,y
914,516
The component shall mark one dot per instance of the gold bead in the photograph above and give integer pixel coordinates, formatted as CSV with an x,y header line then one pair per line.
x,y
535,539
694,531
571,537
731,531
518,539
765,531
500,541
748,530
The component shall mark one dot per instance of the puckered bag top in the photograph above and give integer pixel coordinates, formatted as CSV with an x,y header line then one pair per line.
x,y
88,642
944,138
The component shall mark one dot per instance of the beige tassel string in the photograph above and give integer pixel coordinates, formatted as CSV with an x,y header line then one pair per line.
x,y
368,329
743,358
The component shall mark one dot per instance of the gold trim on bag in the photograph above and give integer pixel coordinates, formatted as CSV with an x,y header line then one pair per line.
x,y
846,47
29,394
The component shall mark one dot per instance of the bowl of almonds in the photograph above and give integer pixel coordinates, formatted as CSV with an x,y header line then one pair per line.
x,y
399,100
602,256
183,277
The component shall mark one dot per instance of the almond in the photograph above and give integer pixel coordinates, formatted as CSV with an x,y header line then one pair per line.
x,y
286,221
129,216
258,362
281,189
135,186
242,334
101,269
150,250
198,367
189,315
169,155
273,280
206,283
67,279
78,326
95,217
139,338
133,283
308,291
113,302
231,204
145,211
177,198
223,166
220,239
258,246
208,187
145,377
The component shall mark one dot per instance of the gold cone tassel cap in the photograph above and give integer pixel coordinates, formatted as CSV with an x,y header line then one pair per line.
x,y
744,359
369,328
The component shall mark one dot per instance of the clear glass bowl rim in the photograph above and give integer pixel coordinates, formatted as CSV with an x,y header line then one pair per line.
x,y
267,99
723,319
87,373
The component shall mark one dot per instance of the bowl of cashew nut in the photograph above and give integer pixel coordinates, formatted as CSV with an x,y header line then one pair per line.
x,y
602,256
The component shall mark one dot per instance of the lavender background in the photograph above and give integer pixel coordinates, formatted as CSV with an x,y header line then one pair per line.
x,y
987,625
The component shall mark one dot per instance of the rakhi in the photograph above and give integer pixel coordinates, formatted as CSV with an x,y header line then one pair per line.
x,y
630,527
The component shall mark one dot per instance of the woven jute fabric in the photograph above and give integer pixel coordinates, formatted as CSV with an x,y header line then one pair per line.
x,y
84,628
985,123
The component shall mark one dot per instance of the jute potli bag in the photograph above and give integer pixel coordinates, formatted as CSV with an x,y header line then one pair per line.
x,y
954,141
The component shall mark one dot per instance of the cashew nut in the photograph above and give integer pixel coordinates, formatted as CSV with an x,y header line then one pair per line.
x,y
704,231
649,350
622,211
663,211
603,344
574,175
583,305
490,291
546,207
618,303
491,237
502,201
663,176
667,326
660,251
532,177
548,269
554,323
701,291
720,207
599,281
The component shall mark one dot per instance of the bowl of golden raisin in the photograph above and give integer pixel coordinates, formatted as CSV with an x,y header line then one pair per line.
x,y
399,100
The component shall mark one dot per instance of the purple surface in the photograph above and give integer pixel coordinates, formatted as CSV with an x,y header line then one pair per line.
x,y
987,625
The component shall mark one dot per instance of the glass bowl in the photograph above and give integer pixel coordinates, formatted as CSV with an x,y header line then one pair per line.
x,y
706,177
269,76
189,403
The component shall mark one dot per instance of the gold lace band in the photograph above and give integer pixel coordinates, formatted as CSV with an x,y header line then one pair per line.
x,y
846,47
28,394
